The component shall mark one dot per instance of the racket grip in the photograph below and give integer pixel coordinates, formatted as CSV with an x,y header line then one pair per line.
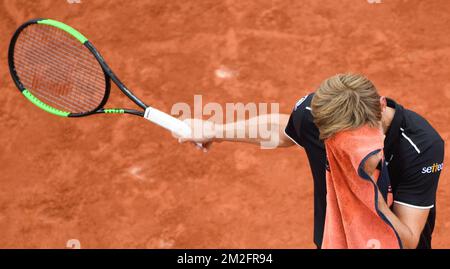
x,y
170,123
167,122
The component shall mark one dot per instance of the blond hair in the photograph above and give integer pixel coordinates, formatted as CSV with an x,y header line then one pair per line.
x,y
345,101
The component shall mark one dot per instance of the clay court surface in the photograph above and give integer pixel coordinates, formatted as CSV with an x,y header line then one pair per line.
x,y
121,182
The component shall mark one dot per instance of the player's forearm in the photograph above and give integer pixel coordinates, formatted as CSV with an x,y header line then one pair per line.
x,y
268,129
408,238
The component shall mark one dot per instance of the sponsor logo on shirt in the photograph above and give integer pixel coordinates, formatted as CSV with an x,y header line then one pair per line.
x,y
299,102
436,167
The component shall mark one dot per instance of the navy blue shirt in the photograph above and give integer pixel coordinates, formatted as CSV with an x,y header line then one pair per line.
x,y
414,155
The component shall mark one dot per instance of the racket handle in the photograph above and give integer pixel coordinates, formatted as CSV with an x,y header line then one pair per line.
x,y
168,122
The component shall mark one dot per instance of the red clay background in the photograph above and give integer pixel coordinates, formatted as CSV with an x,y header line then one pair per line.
x,y
121,182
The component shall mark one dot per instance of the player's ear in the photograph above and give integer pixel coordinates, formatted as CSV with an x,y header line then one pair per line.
x,y
383,103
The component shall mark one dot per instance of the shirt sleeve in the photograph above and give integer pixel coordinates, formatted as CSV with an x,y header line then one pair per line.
x,y
420,178
293,128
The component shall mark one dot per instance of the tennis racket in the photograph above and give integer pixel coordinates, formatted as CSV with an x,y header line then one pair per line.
x,y
60,71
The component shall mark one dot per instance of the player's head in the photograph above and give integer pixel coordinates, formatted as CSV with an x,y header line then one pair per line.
x,y
346,101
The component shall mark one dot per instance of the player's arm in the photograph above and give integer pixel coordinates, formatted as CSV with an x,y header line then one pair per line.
x,y
245,131
279,130
407,221
416,195
274,123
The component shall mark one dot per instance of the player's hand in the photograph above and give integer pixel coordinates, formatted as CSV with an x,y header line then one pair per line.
x,y
202,132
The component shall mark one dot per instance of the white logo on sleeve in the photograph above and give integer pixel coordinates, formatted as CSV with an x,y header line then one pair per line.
x,y
299,102
436,167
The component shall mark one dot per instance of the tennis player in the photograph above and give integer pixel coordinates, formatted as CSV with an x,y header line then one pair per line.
x,y
414,151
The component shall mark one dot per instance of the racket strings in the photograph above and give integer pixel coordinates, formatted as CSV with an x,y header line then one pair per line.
x,y
58,69
55,78
51,78
56,50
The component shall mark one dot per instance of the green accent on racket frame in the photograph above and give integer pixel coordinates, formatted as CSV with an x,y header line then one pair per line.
x,y
43,105
66,28
113,111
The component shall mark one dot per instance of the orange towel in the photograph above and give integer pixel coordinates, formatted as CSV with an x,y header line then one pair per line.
x,y
352,218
